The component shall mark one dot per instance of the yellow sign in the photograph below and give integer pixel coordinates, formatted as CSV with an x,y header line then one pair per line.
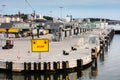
x,y
40,45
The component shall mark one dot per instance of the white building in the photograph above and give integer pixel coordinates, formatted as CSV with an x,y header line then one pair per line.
x,y
104,25
9,19
68,18
39,16
5,19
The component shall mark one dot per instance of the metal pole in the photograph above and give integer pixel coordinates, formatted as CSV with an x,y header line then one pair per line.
x,y
51,14
61,11
39,55
3,6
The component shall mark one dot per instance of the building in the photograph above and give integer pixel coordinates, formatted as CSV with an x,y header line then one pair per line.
x,y
10,19
68,18
5,19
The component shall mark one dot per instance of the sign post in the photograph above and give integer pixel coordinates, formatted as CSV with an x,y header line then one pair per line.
x,y
40,55
40,45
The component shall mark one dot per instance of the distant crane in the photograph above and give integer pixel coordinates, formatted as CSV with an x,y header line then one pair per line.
x,y
31,8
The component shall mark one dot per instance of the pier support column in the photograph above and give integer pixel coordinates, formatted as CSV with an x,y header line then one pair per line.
x,y
94,71
37,66
9,66
102,57
38,32
56,65
46,66
27,66
101,46
79,74
83,30
57,77
36,77
65,33
65,76
80,30
9,76
47,77
74,31
27,76
94,58
70,33
65,65
77,30
79,64
94,63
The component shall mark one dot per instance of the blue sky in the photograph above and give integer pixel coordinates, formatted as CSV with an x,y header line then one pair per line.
x,y
77,8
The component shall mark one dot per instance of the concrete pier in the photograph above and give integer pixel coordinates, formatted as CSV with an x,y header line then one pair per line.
x,y
79,48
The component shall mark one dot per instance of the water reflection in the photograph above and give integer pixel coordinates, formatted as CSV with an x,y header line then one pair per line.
x,y
94,73
101,56
89,73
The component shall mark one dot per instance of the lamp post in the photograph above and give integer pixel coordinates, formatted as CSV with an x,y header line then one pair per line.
x,y
50,13
3,6
61,12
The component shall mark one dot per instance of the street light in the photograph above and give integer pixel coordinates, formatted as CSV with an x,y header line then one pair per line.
x,y
3,6
61,12
51,14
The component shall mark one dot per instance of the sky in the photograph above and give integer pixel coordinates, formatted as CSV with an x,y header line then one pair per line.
x,y
109,9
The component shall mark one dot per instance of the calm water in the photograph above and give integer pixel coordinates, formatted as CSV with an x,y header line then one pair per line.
x,y
108,68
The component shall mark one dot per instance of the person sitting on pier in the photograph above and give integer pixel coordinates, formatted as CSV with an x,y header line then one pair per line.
x,y
65,53
73,48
